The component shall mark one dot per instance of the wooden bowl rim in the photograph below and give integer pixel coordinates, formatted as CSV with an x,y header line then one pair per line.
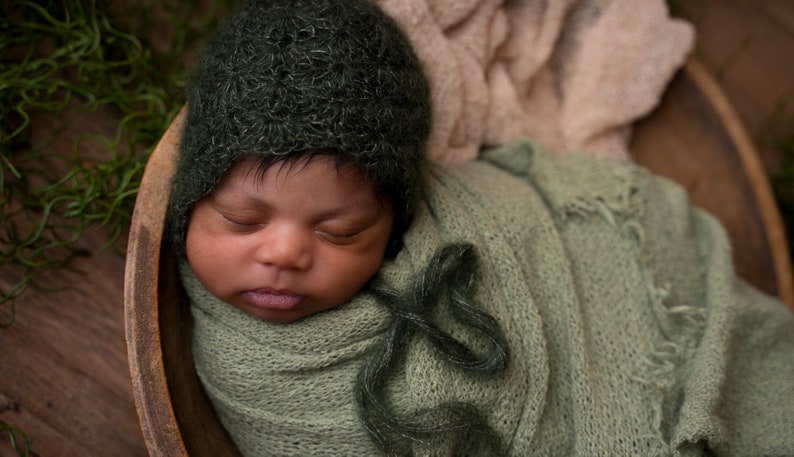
x,y
141,305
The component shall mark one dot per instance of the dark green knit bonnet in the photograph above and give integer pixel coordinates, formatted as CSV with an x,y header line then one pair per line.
x,y
284,77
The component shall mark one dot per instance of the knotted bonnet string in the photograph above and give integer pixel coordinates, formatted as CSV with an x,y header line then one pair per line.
x,y
448,280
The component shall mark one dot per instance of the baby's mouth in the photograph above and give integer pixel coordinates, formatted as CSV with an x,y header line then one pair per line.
x,y
273,299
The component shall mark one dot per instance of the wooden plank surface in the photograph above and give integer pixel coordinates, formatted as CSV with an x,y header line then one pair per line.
x,y
63,365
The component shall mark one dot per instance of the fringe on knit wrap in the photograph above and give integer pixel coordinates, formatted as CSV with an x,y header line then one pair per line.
x,y
628,331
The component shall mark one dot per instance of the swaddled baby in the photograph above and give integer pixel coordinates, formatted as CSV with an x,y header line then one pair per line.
x,y
349,298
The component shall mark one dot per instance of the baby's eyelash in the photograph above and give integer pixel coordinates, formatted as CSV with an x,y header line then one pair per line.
x,y
339,238
241,223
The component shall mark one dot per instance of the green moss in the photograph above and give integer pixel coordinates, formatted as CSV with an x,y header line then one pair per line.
x,y
16,438
65,59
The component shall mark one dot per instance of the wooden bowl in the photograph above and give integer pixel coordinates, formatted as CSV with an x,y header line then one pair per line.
x,y
694,137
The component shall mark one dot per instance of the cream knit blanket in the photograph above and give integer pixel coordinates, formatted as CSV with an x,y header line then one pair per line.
x,y
629,333
572,74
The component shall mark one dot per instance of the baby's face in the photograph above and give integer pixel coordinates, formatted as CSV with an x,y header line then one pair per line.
x,y
290,242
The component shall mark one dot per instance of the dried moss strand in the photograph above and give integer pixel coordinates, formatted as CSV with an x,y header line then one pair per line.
x,y
17,438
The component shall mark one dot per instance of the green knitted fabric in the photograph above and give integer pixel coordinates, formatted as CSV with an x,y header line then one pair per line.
x,y
629,333
283,77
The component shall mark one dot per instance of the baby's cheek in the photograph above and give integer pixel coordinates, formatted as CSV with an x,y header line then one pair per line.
x,y
207,261
217,281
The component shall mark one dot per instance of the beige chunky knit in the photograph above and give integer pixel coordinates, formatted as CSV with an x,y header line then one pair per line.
x,y
629,333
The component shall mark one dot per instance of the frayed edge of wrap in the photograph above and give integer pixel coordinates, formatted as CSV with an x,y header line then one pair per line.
x,y
681,326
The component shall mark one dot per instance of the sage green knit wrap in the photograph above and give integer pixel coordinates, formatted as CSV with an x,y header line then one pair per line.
x,y
629,333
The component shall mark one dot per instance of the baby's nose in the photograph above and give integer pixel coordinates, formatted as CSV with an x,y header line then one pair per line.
x,y
285,247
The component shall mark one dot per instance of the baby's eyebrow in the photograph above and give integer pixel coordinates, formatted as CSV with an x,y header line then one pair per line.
x,y
228,198
353,207
242,199
360,210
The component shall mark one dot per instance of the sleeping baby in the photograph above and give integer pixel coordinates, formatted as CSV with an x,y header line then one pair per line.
x,y
350,297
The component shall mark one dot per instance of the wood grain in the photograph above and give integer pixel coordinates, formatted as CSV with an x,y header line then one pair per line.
x,y
63,366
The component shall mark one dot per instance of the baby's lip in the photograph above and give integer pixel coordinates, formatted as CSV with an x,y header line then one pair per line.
x,y
273,299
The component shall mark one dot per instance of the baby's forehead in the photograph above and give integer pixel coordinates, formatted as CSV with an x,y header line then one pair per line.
x,y
257,170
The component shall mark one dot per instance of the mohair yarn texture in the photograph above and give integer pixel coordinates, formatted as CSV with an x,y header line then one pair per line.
x,y
283,77
629,333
